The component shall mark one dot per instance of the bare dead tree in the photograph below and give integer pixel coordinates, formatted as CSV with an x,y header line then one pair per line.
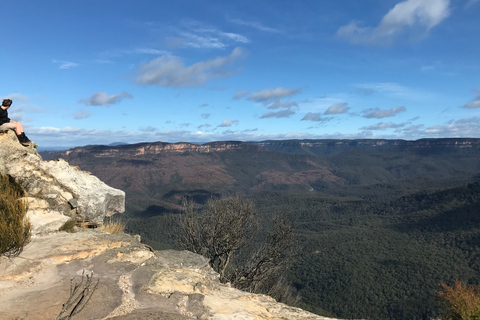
x,y
80,293
264,271
222,228
225,227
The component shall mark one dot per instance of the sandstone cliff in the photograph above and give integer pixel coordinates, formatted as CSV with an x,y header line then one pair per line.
x,y
56,191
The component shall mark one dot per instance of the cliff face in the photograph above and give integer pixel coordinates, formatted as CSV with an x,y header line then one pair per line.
x,y
330,148
56,191
322,148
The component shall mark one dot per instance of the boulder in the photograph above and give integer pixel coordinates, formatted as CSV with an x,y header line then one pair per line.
x,y
55,190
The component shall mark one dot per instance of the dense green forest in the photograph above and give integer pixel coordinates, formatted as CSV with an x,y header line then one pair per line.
x,y
368,258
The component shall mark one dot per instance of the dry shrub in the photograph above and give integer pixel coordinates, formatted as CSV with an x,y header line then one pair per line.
x,y
15,228
462,301
113,226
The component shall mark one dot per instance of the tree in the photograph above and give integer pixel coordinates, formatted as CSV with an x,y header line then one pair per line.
x,y
226,232
218,231
462,302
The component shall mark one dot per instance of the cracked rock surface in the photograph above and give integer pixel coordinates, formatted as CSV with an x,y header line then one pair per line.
x,y
134,282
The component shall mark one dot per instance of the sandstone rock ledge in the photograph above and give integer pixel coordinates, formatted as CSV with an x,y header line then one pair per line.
x,y
56,191
134,283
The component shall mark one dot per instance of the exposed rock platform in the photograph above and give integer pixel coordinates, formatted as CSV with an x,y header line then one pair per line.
x,y
55,190
134,282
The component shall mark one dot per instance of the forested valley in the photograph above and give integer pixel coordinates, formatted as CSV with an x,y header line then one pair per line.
x,y
379,230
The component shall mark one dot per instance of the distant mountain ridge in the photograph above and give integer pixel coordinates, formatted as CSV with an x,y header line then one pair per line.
x,y
321,147
152,173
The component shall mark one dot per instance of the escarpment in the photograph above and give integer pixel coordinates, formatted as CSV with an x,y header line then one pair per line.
x,y
96,275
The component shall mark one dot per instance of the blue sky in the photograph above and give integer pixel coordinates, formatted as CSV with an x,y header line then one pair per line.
x,y
102,71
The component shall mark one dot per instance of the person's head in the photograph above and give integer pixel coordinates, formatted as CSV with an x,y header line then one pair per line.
x,y
7,103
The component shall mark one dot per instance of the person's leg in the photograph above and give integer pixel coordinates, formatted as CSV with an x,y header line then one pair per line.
x,y
20,133
18,127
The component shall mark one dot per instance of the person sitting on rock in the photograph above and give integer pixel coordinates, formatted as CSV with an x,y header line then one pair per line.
x,y
18,126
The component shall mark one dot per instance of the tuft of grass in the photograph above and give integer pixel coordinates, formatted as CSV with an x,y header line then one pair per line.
x,y
462,301
113,226
69,225
15,229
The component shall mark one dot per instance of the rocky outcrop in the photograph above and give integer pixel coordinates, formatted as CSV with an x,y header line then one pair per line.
x,y
134,283
56,191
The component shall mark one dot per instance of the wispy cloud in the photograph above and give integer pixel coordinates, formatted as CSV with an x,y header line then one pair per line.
x,y
268,95
384,126
148,129
475,103
104,99
228,123
205,115
81,114
241,94
379,113
255,25
113,53
65,64
393,90
315,116
279,104
195,34
280,114
170,71
337,108
412,19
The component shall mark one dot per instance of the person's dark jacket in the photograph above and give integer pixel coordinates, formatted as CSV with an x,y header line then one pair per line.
x,y
4,116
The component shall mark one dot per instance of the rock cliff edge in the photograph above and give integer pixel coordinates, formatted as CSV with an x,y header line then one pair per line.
x,y
56,191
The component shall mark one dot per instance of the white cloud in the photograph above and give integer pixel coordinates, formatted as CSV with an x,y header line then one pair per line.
x,y
241,94
170,71
278,104
205,115
378,113
81,114
17,97
271,94
255,25
313,116
384,126
149,129
227,123
103,99
198,35
148,51
337,108
412,18
473,104
393,90
280,114
66,64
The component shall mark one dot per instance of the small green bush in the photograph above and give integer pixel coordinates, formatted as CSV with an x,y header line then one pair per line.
x,y
68,226
15,228
462,301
